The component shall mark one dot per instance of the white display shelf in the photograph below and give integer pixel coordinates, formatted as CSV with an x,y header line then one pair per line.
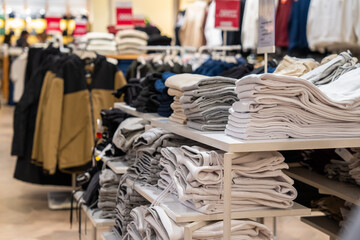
x,y
346,191
324,224
94,215
180,213
219,140
119,167
114,163
108,236
132,111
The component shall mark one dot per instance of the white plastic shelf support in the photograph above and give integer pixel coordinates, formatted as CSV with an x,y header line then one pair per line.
x,y
132,111
346,191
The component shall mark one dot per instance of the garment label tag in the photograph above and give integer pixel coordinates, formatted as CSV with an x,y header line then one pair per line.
x,y
344,154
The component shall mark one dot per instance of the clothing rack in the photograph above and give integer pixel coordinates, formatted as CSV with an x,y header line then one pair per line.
x,y
168,49
219,48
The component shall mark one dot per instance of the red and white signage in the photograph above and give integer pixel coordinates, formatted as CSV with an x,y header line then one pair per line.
x,y
227,14
80,29
53,24
124,14
139,20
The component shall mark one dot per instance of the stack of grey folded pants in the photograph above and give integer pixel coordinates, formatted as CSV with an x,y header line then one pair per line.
x,y
127,200
160,226
109,182
206,103
147,146
137,227
125,135
257,179
273,106
175,84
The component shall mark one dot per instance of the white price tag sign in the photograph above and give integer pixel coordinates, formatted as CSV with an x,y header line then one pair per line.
x,y
266,31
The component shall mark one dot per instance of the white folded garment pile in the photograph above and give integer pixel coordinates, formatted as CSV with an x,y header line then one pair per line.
x,y
109,182
128,41
159,226
197,175
102,43
206,103
273,106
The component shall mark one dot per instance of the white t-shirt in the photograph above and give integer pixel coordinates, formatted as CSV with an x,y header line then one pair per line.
x,y
17,75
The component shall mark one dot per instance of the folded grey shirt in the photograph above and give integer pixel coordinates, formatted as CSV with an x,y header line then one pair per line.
x,y
210,81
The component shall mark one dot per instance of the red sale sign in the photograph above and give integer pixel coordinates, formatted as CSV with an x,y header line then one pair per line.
x,y
227,14
124,14
80,29
139,20
53,24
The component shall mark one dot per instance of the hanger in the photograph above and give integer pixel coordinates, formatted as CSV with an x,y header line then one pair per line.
x,y
84,54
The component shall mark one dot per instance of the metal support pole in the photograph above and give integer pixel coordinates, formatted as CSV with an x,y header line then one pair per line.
x,y
266,63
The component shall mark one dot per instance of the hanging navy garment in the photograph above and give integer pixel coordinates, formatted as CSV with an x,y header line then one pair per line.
x,y
297,25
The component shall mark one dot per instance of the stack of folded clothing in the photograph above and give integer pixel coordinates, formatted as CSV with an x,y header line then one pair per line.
x,y
258,182
136,228
175,84
238,71
102,43
206,103
126,134
339,170
159,40
291,66
147,100
354,166
159,226
273,106
128,41
148,145
217,67
111,120
163,97
127,200
130,91
109,182
331,70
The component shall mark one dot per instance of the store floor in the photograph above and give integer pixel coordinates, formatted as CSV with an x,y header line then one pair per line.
x,y
24,214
